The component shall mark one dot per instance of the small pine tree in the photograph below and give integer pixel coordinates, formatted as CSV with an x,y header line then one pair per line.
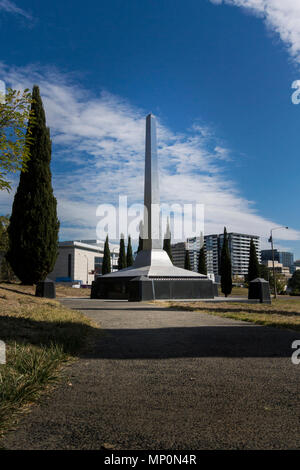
x,y
202,268
33,228
140,246
129,257
187,261
122,255
253,267
225,268
106,264
167,241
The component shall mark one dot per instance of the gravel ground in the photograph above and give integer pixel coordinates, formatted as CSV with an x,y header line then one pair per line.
x,y
162,379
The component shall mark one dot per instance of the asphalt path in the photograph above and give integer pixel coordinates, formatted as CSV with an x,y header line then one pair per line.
x,y
161,379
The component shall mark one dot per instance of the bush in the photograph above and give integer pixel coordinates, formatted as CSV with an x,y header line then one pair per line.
x,y
294,283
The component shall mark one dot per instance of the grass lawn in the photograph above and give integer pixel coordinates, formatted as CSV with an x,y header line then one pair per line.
x,y
283,313
40,335
62,291
236,292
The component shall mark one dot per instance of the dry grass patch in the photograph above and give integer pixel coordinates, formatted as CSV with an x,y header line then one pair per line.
x,y
40,336
62,291
283,313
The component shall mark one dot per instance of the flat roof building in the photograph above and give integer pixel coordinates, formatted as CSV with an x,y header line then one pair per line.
x,y
239,248
286,258
178,254
81,260
279,268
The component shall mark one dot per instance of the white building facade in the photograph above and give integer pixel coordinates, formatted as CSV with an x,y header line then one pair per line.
x,y
81,261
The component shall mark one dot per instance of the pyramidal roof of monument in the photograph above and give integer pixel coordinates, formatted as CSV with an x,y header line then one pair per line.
x,y
155,263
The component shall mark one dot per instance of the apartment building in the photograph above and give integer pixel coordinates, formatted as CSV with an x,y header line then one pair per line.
x,y
239,248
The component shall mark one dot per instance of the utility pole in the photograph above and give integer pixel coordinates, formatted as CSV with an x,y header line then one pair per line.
x,y
273,261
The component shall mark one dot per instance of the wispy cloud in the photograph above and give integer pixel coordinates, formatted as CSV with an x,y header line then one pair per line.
x,y
281,16
11,7
98,153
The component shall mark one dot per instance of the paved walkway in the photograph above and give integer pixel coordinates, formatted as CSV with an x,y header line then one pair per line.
x,y
161,379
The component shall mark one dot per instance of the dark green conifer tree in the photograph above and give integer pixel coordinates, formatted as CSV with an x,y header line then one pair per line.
x,y
122,254
187,261
225,268
106,264
129,257
253,267
140,246
202,268
167,241
33,228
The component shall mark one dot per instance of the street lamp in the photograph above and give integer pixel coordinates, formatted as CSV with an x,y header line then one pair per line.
x,y
273,262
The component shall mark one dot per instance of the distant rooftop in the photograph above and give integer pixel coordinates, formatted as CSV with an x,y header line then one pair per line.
x,y
94,245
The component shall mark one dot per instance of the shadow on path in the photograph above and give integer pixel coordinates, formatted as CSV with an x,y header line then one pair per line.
x,y
158,343
205,341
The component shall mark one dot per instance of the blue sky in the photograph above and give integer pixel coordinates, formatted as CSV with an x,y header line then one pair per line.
x,y
216,74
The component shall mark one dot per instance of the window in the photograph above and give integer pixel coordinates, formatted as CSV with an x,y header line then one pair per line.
x,y
98,265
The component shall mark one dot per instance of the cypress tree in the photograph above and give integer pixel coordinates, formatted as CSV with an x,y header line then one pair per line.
x,y
129,257
33,228
122,255
106,264
140,247
167,241
202,269
225,268
187,261
253,267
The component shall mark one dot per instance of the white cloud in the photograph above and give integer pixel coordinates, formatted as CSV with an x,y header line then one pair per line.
x,y
11,7
98,153
281,16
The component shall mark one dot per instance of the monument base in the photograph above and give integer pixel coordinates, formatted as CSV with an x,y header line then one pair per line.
x,y
46,289
160,280
260,289
145,288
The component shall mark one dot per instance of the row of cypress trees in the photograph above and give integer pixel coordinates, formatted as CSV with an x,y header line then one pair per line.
x,y
202,269
125,258
254,270
225,264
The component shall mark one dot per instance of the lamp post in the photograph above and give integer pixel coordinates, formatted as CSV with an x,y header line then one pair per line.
x,y
273,262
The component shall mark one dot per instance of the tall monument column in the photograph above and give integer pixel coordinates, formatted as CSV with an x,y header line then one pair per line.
x,y
152,231
152,275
